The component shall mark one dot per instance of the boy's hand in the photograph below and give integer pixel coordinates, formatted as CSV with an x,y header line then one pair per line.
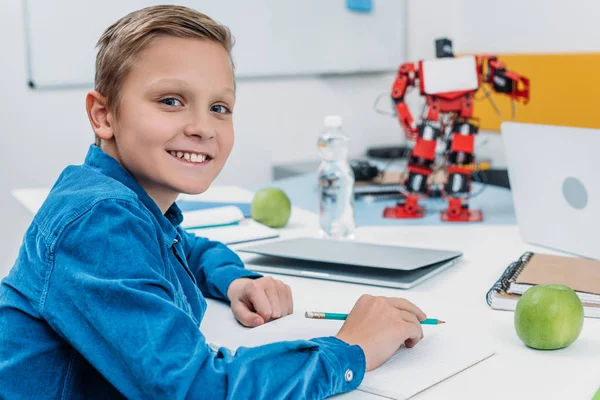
x,y
256,301
380,325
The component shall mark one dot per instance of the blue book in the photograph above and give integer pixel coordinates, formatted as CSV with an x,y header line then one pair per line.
x,y
187,205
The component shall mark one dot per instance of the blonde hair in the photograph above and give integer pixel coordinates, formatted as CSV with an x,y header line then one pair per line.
x,y
120,44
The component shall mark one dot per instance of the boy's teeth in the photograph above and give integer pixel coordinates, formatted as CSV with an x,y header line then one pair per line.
x,y
191,157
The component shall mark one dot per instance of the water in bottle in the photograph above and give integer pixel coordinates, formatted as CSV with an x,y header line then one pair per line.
x,y
336,182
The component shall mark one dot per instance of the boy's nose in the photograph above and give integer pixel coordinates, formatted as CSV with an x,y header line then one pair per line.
x,y
201,127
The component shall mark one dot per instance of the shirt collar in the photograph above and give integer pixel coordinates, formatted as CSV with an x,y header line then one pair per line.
x,y
97,159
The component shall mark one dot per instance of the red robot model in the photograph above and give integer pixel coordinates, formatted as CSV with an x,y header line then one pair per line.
x,y
449,85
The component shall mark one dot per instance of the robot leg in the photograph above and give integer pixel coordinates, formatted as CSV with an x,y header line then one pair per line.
x,y
458,189
408,207
420,164
460,166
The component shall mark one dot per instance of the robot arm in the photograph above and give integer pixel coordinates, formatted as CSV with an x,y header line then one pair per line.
x,y
407,75
503,81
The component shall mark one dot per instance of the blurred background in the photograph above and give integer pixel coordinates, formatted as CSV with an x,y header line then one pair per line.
x,y
297,61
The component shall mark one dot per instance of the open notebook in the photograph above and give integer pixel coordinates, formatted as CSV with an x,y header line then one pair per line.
x,y
445,351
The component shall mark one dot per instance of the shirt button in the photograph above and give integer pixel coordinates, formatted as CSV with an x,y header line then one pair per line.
x,y
349,375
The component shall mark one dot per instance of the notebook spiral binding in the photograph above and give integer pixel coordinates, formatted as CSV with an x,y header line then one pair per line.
x,y
510,274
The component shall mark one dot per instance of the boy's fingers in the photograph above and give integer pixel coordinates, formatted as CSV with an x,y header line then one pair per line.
x,y
413,333
285,295
260,302
414,323
403,304
245,315
409,317
273,296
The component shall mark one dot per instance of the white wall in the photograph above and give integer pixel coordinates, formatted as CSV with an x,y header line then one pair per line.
x,y
276,121
507,26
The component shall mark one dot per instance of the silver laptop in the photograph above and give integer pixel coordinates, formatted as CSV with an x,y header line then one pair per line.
x,y
553,173
349,261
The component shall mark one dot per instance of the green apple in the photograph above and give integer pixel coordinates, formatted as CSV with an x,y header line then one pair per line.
x,y
272,207
549,317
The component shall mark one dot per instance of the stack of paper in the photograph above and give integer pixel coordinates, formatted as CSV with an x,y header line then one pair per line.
x,y
213,217
193,205
226,225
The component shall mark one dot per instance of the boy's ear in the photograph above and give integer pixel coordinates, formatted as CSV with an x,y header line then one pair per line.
x,y
99,115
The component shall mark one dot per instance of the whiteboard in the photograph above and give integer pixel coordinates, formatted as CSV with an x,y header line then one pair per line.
x,y
272,37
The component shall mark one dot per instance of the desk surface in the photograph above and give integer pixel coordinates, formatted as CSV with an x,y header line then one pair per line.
x,y
456,295
495,202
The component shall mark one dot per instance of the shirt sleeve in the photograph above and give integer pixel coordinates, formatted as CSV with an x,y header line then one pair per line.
x,y
213,264
106,295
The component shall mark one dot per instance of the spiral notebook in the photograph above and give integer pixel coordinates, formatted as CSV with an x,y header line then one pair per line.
x,y
580,274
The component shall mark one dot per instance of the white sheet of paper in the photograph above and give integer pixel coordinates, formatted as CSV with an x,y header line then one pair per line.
x,y
444,352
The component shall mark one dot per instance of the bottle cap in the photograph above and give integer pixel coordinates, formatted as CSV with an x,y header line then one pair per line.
x,y
333,121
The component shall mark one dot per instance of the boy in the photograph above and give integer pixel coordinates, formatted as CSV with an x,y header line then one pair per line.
x,y
107,294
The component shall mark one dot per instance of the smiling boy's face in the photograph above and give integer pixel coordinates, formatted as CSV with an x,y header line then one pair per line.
x,y
174,129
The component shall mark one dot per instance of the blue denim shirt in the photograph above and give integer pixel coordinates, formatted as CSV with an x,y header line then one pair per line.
x,y
106,298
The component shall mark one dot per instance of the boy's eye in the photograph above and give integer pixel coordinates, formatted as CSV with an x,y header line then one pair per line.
x,y
219,108
171,102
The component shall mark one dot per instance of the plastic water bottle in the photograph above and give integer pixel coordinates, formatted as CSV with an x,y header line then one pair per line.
x,y
336,182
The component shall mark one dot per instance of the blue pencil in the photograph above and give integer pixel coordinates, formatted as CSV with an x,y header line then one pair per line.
x,y
324,315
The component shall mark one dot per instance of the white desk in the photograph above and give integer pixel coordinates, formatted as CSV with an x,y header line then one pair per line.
x,y
456,295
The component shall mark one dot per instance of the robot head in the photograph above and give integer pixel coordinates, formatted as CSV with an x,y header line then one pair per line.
x,y
443,48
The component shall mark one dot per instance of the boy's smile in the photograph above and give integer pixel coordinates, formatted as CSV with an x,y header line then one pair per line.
x,y
174,128
189,157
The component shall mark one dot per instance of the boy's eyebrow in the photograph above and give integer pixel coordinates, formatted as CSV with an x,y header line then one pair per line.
x,y
228,91
182,83
168,81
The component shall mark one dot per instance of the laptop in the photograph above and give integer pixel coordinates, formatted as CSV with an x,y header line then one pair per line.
x,y
349,261
555,185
